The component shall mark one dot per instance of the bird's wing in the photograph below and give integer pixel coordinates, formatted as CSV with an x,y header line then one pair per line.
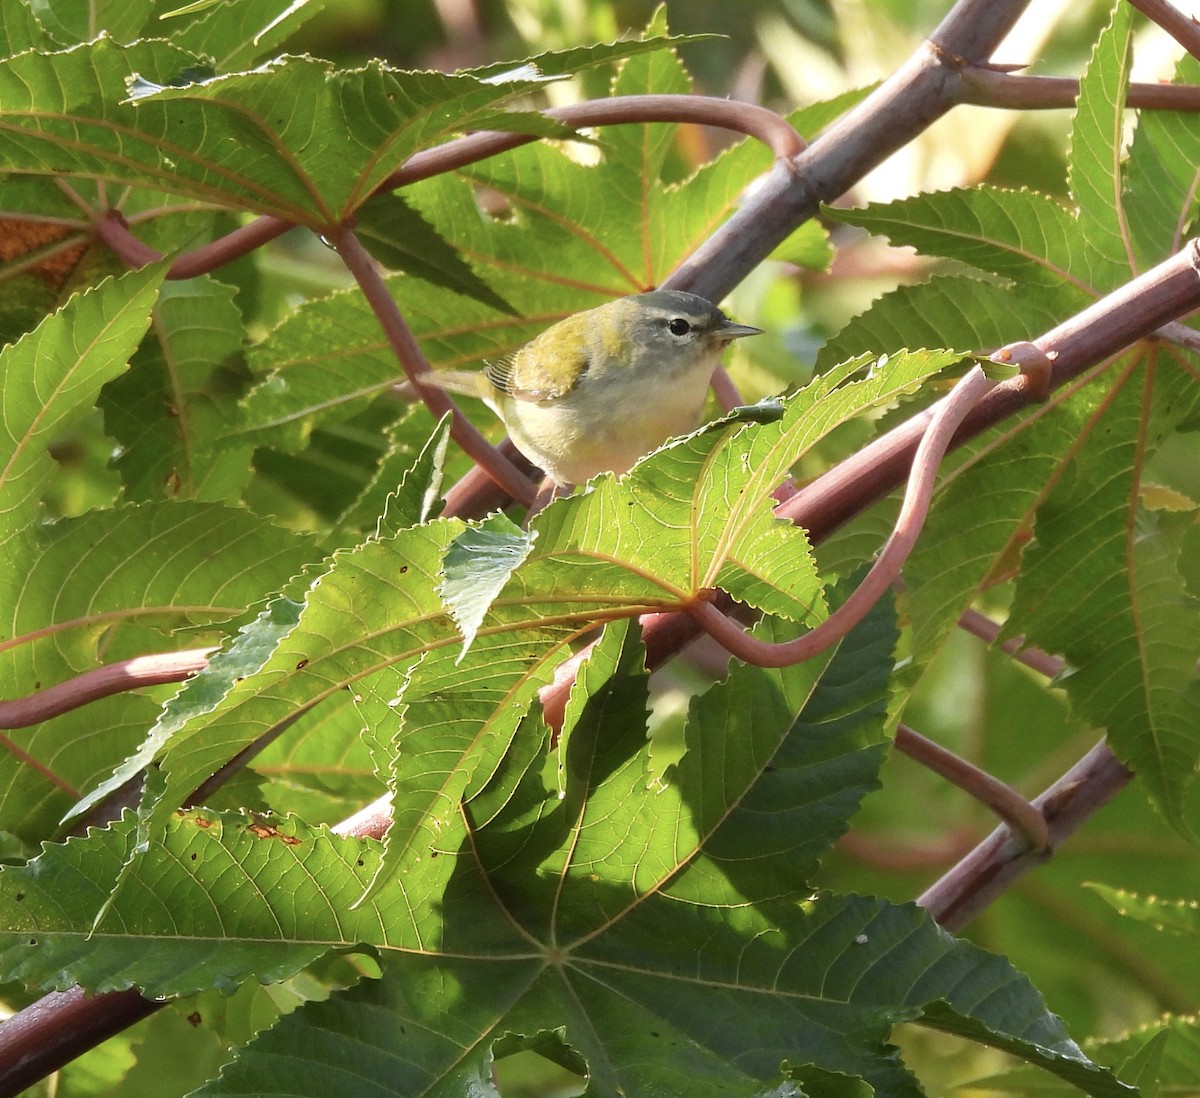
x,y
533,375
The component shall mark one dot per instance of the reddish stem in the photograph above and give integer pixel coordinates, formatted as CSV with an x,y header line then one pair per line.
x,y
992,867
921,481
100,683
61,1026
985,87
406,348
747,118
1021,816
985,629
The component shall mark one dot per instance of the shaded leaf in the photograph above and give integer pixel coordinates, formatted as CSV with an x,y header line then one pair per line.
x,y
1097,145
401,239
172,406
52,377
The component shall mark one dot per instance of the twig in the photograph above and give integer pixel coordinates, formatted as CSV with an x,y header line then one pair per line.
x,y
984,87
747,118
1134,311
924,88
977,624
1021,816
406,348
58,1028
902,108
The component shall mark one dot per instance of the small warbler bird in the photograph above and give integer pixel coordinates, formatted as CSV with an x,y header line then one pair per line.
x,y
600,389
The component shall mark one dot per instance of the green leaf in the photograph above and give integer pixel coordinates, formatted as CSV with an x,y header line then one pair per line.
x,y
111,585
953,311
406,489
808,247
1018,235
70,23
20,30
335,1049
1097,144
698,513
1172,916
717,997
659,987
328,359
1162,1058
176,401
1160,177
401,239
1128,639
53,376
236,35
478,564
166,947
245,140
245,655
803,798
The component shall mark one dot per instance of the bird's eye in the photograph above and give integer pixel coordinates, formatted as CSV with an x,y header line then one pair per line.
x,y
678,326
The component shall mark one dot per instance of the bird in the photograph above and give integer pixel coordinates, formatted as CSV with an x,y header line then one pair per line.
x,y
602,388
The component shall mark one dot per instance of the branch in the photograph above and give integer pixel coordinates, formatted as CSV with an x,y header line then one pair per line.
x,y
991,868
747,118
984,87
924,88
973,622
1135,311
58,1028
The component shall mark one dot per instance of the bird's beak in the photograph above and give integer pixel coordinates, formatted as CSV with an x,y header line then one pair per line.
x,y
729,330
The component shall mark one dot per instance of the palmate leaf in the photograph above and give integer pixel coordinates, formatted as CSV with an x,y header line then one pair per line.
x,y
1131,646
1057,260
236,35
379,609
654,988
693,516
1162,1058
1113,603
1171,916
245,140
1160,177
19,30
372,611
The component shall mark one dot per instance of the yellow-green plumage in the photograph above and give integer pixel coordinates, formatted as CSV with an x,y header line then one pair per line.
x,y
602,388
